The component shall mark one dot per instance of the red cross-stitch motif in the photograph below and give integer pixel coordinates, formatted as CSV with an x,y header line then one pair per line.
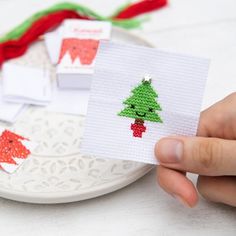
x,y
84,49
138,130
12,147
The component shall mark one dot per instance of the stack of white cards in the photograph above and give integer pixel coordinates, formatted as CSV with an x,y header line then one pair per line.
x,y
26,85
22,85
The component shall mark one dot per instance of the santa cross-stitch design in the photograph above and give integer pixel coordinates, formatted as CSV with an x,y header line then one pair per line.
x,y
142,106
83,49
11,147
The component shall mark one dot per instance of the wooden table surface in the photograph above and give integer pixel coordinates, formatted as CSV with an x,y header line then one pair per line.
x,y
200,27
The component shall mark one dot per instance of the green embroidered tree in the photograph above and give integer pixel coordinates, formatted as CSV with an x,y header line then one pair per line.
x,y
142,106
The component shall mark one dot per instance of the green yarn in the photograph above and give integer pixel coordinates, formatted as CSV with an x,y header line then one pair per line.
x,y
18,31
74,7
130,23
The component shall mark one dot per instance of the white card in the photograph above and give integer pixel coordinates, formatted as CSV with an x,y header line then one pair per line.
x,y
69,101
53,44
14,150
22,84
129,131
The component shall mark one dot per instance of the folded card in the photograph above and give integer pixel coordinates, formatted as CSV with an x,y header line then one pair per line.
x,y
23,84
138,96
14,150
80,39
9,110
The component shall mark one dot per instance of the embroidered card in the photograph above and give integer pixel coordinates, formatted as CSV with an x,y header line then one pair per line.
x,y
138,96
14,150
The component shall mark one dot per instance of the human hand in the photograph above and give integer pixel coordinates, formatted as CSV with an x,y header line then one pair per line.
x,y
212,156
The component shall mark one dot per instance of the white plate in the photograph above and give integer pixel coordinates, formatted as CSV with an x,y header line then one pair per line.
x,y
57,172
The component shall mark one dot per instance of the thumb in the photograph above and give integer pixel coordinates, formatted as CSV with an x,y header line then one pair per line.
x,y
204,156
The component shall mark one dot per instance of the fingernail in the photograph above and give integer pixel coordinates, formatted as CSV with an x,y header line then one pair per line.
x,y
181,200
170,150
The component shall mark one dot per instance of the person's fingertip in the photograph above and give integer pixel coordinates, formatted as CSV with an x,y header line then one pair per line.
x,y
182,201
192,198
189,198
169,150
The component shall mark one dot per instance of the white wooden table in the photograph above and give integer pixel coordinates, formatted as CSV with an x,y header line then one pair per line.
x,y
200,27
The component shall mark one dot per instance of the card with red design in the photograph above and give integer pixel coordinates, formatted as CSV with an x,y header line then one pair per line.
x,y
138,96
14,150
80,39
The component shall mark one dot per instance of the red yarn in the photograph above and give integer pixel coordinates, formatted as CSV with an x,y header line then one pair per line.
x,y
1,54
140,8
15,48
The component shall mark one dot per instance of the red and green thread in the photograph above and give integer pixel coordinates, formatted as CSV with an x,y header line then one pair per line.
x,y
16,42
121,17
83,11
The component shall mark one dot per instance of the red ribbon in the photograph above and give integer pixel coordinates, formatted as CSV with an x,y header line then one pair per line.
x,y
140,8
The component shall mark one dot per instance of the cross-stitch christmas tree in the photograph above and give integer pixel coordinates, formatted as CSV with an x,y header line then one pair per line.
x,y
142,106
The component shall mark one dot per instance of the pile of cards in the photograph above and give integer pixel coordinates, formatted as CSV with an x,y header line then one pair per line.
x,y
22,85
